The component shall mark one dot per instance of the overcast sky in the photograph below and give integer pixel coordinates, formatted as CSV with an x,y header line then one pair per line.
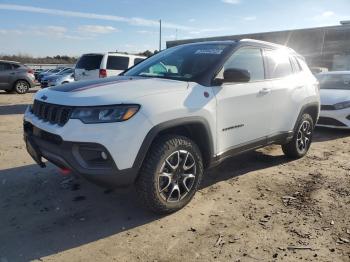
x,y
73,27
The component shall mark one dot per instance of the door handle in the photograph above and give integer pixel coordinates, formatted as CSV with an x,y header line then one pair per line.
x,y
265,90
299,87
12,73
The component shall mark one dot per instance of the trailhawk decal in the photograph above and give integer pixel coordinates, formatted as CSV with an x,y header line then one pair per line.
x,y
85,85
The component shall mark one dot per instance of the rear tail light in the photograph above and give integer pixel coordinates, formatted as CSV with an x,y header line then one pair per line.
x,y
30,71
103,73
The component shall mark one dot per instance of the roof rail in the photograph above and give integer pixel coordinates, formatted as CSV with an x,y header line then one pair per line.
x,y
266,43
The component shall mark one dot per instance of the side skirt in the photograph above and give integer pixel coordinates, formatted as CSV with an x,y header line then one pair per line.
x,y
280,138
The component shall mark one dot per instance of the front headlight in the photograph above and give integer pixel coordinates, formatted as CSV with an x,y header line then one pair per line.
x,y
105,114
342,105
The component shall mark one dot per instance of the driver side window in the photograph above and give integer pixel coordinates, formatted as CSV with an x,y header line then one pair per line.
x,y
246,58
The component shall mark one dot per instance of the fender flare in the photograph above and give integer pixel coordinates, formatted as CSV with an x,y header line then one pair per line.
x,y
179,122
304,108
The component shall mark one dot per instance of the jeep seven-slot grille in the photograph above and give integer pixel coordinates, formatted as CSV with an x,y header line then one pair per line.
x,y
55,114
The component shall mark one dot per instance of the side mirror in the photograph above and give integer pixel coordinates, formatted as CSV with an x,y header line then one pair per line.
x,y
236,75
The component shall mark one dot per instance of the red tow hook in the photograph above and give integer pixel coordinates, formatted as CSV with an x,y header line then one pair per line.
x,y
65,171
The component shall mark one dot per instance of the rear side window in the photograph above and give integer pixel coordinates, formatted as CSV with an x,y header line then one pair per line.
x,y
138,60
295,65
118,62
89,62
278,63
5,66
249,59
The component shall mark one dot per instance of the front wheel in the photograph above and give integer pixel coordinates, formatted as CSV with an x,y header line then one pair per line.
x,y
301,142
170,175
21,87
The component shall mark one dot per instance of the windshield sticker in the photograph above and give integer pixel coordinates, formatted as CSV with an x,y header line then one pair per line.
x,y
209,51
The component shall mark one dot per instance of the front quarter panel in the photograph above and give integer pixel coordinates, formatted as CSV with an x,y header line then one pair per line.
x,y
194,101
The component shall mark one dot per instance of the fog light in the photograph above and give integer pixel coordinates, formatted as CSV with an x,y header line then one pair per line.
x,y
104,155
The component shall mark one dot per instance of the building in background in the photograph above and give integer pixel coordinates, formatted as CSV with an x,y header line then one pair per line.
x,y
324,47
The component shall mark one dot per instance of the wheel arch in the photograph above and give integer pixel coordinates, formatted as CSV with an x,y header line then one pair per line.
x,y
313,109
20,79
195,128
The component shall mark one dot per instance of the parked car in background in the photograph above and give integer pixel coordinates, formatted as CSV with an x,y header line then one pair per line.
x,y
15,77
187,108
335,99
50,72
63,77
38,71
100,65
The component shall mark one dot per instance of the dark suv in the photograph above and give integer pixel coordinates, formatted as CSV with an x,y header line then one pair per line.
x,y
15,77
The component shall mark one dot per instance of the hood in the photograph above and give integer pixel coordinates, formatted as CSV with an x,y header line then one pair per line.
x,y
113,90
334,96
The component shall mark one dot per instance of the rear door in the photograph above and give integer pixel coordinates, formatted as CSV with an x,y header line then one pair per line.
x,y
288,90
243,109
5,75
117,64
88,67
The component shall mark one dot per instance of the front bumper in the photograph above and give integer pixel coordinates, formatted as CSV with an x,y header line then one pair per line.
x,y
335,118
85,159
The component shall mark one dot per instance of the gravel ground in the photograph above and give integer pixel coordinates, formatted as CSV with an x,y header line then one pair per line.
x,y
259,206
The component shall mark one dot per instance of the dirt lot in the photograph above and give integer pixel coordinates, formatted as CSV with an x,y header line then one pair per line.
x,y
259,206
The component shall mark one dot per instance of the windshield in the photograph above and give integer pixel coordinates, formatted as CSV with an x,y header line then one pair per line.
x,y
185,63
336,81
66,71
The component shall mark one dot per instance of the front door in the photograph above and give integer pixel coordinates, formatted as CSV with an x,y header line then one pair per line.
x,y
243,109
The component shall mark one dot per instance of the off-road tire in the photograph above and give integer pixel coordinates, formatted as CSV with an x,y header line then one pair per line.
x,y
291,149
147,184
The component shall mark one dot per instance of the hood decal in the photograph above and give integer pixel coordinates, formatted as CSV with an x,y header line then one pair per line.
x,y
85,85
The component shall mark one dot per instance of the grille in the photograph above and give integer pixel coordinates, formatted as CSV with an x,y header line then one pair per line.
x,y
327,107
329,122
55,114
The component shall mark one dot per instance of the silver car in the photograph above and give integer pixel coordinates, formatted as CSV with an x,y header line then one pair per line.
x,y
15,77
64,77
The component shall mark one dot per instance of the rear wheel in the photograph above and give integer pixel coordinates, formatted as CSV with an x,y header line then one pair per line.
x,y
170,175
300,144
21,87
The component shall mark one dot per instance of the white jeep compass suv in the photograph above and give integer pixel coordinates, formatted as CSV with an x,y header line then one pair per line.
x,y
165,120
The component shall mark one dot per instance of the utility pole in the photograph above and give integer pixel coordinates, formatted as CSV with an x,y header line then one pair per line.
x,y
160,35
